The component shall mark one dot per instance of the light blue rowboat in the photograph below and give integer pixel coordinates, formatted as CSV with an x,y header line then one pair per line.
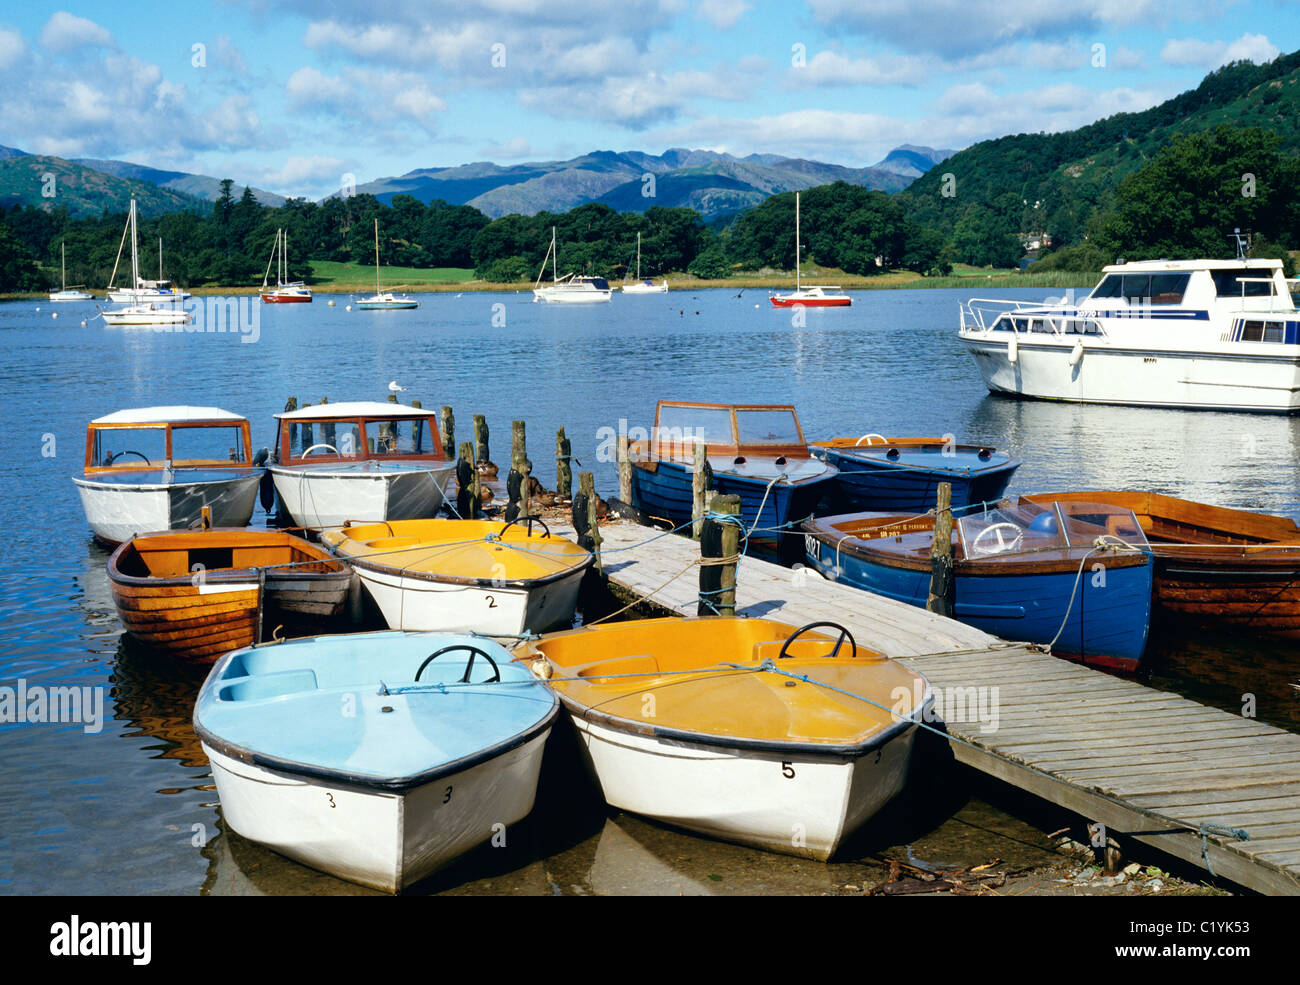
x,y
376,757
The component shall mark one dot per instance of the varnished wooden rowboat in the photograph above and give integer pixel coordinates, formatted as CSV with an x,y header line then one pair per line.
x,y
1215,568
200,593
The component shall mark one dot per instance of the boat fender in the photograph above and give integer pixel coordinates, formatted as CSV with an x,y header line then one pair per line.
x,y
1013,350
266,491
1076,353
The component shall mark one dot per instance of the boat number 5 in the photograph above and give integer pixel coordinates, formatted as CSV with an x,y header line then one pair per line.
x,y
492,603
787,770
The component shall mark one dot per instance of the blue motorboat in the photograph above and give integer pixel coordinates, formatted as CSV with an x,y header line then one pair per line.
x,y
376,757
1073,575
757,452
886,474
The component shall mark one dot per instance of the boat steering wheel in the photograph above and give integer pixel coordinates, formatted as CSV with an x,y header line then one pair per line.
x,y
843,631
114,458
1003,544
473,652
530,520
868,439
314,447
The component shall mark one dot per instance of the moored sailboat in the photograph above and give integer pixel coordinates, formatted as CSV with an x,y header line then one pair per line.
x,y
813,296
285,291
383,300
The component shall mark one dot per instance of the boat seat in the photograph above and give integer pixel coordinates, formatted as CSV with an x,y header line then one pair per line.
x,y
271,685
637,663
389,543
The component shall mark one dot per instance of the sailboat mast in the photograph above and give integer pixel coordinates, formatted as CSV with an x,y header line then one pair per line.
x,y
797,251
135,256
64,263
376,255
554,272
638,256
284,258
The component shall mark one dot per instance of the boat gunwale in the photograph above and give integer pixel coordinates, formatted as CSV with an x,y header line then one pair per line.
x,y
855,453
652,466
361,562
342,571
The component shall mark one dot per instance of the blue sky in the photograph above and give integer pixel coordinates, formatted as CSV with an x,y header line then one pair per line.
x,y
291,95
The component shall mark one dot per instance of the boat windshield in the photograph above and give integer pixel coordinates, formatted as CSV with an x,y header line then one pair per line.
x,y
192,445
130,448
1158,288
680,425
768,427
1023,527
393,437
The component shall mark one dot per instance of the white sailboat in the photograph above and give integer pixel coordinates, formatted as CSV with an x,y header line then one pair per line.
x,y
285,291
646,286
823,296
569,289
383,300
65,294
141,311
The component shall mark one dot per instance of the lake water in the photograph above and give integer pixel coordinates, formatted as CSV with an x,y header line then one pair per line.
x,y
130,809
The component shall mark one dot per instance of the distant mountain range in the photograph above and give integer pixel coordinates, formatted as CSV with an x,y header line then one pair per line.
x,y
712,183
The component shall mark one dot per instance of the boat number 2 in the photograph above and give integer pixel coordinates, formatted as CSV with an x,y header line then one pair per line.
x,y
331,800
787,770
446,798
492,603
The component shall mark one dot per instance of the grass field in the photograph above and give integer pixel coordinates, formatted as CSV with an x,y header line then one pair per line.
x,y
330,275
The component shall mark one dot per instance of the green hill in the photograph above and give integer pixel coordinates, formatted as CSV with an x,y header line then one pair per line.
x,y
1055,182
84,191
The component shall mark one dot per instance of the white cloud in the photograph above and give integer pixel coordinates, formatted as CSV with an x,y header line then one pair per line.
x,y
514,149
13,49
64,32
722,14
297,171
1212,54
366,96
830,68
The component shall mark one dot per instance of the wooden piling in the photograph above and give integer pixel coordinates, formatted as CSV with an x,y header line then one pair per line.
x,y
447,431
719,549
466,483
701,483
480,439
587,490
519,464
563,467
940,598
624,470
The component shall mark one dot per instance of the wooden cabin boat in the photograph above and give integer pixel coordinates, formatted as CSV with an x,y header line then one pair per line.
x,y
887,474
700,723
197,594
361,462
756,451
156,468
376,757
1071,574
481,576
1215,568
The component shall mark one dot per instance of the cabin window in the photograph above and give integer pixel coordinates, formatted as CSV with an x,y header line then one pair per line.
x,y
207,444
130,448
1111,286
768,427
400,436
342,438
1242,283
1168,288
1262,331
1080,326
681,427
1040,325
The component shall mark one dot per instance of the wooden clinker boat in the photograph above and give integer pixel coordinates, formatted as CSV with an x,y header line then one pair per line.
x,y
197,594
1216,568
722,726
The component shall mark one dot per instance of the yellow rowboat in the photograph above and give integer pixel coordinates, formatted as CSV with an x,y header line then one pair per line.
x,y
748,730
465,576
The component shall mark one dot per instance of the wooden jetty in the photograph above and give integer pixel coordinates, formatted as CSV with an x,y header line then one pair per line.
x,y
1148,765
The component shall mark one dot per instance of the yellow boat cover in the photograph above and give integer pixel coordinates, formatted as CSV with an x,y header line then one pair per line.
x,y
678,679
458,549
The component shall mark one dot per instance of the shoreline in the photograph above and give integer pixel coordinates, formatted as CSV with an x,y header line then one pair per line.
x,y
884,282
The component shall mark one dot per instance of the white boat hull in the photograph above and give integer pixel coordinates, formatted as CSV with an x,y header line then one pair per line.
x,y
1254,380
646,288
780,802
381,839
118,511
423,605
317,499
571,297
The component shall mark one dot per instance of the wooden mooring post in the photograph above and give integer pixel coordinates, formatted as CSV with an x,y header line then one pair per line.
x,y
701,483
447,431
720,552
585,521
940,598
563,467
467,499
520,470
480,439
624,470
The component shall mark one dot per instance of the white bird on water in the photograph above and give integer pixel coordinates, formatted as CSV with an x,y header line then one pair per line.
x,y
394,388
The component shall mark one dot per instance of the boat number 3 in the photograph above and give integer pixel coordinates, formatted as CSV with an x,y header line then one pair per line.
x,y
787,770
331,800
446,798
492,603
